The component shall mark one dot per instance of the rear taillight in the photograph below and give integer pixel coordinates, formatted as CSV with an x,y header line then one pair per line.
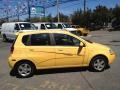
x,y
12,48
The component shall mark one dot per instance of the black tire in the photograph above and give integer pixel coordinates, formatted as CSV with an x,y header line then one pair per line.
x,y
80,33
98,63
4,38
86,34
24,69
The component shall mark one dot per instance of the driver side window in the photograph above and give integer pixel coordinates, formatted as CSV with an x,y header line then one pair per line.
x,y
60,26
17,27
66,40
42,26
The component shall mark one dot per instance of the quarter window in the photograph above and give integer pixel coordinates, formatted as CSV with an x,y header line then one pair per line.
x,y
25,40
66,40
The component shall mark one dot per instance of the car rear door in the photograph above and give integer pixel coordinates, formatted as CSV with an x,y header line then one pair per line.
x,y
41,51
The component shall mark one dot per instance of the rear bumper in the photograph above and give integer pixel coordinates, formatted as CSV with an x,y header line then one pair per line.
x,y
11,62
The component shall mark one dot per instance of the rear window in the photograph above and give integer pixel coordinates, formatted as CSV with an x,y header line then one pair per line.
x,y
78,33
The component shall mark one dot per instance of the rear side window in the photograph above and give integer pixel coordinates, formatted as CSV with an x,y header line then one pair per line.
x,y
36,40
40,40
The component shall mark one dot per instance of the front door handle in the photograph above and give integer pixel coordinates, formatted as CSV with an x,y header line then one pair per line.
x,y
31,49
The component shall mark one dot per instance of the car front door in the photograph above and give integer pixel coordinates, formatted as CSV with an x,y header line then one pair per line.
x,y
68,51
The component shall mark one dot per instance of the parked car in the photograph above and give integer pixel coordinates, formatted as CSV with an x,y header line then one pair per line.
x,y
9,30
64,26
45,49
68,27
45,25
83,31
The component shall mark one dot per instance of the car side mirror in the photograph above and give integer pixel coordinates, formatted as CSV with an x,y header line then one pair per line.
x,y
82,44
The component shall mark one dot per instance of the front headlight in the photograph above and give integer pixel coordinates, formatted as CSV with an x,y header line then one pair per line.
x,y
111,51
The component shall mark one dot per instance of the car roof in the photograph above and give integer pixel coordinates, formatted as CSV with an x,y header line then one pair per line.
x,y
61,22
44,23
16,22
44,31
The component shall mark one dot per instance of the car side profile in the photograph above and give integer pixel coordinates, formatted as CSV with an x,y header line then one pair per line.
x,y
47,49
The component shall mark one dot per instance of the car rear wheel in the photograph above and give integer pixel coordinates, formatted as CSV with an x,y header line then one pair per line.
x,y
25,69
5,38
98,63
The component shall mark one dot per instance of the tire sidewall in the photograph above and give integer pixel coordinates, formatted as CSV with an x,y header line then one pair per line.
x,y
4,38
94,59
31,73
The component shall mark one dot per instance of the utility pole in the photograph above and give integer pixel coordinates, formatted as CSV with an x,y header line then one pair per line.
x,y
58,11
18,17
7,10
44,8
7,14
29,13
84,6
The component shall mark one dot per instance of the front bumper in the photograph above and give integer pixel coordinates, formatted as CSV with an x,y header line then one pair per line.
x,y
112,58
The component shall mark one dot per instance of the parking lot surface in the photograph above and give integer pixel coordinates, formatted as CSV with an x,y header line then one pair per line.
x,y
66,79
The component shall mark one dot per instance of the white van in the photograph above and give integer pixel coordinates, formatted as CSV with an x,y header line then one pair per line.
x,y
9,30
45,25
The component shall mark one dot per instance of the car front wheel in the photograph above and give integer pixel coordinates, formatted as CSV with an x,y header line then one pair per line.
x,y
98,63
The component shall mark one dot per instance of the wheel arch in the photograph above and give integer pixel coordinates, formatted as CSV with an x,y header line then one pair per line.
x,y
98,55
24,60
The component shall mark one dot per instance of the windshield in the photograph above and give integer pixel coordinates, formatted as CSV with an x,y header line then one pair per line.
x,y
76,33
27,26
51,26
67,26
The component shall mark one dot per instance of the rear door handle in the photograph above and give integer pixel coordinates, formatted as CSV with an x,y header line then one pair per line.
x,y
60,50
31,49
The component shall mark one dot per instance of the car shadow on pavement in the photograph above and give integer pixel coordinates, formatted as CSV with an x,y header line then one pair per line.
x,y
61,70
65,70
9,41
58,71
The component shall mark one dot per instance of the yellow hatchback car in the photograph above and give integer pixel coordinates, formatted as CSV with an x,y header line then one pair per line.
x,y
56,49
